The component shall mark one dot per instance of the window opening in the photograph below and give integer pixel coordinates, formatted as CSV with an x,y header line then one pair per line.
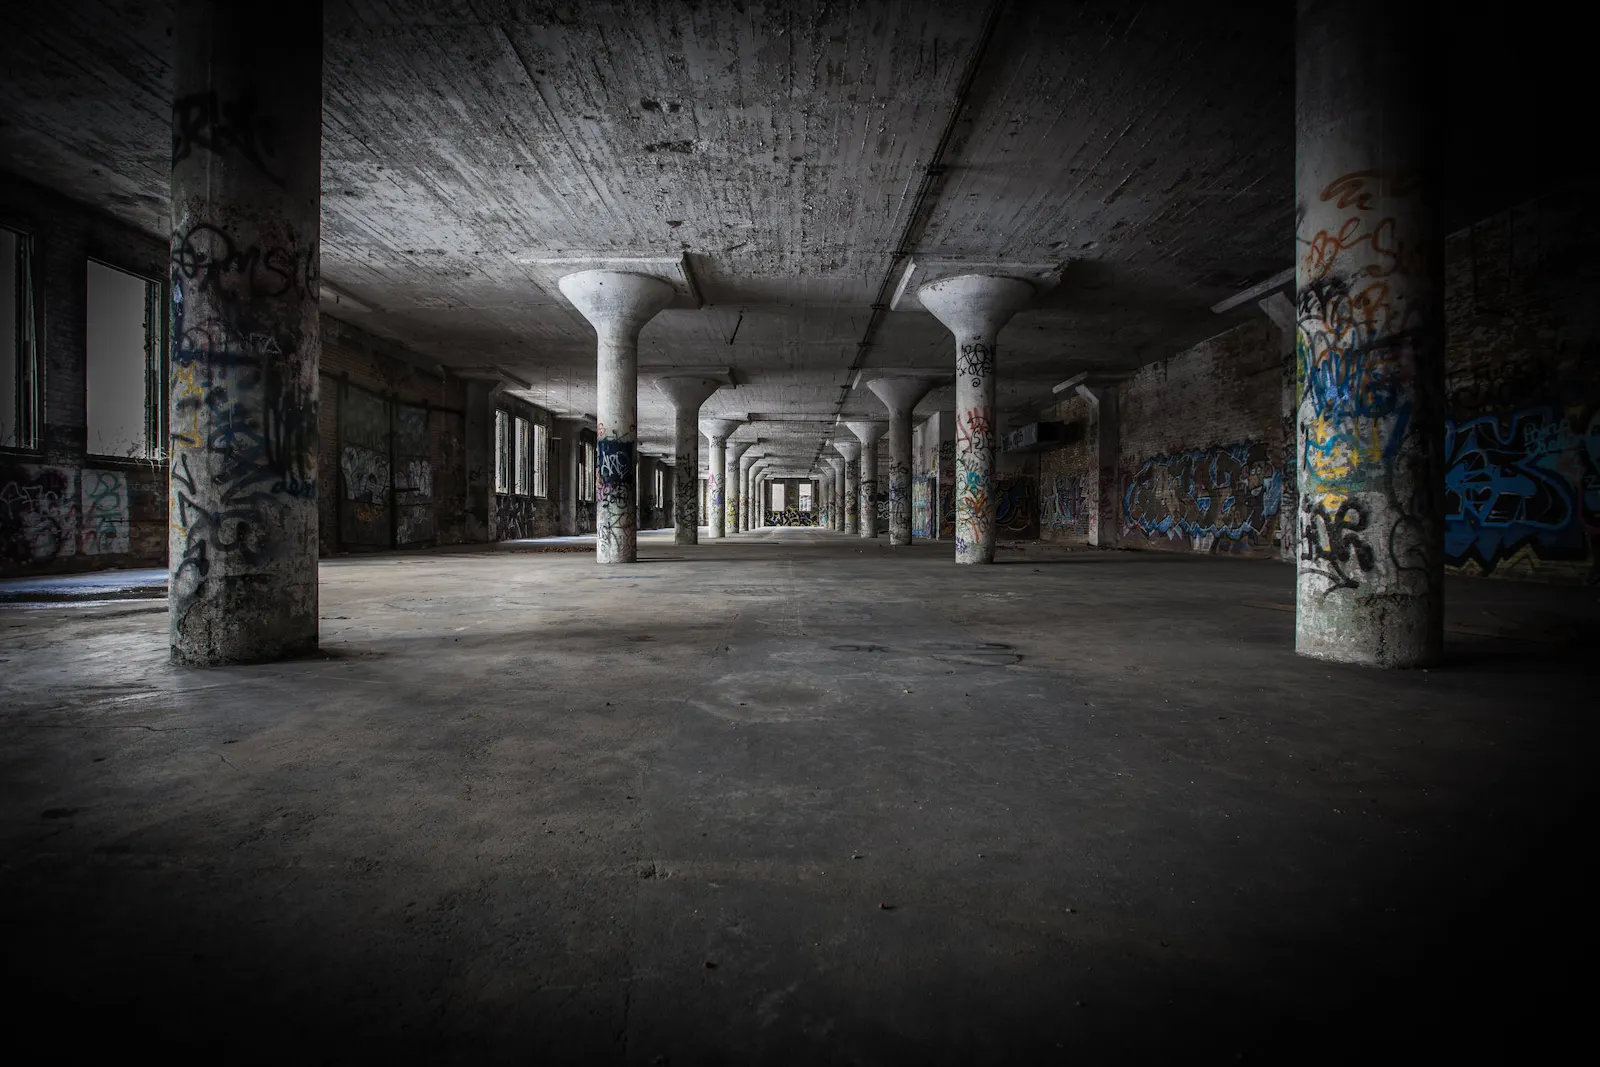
x,y
20,409
502,452
124,370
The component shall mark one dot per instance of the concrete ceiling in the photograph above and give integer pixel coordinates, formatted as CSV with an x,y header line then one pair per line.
x,y
782,146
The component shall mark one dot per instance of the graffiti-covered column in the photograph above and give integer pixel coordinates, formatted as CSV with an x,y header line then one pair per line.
x,y
716,431
687,393
747,460
246,220
617,304
835,490
731,490
900,396
1369,257
850,450
867,486
974,307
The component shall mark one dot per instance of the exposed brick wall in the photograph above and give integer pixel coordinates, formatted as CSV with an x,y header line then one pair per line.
x,y
61,509
1067,474
1206,449
1522,383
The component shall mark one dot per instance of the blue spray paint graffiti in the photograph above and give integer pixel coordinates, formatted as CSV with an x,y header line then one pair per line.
x,y
1215,499
1521,485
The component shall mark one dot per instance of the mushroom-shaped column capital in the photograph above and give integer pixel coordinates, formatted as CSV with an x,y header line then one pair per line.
x,y
717,430
687,390
975,305
616,302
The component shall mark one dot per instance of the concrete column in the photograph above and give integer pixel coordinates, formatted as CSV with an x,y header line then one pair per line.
x,y
850,449
1369,288
731,492
1106,455
974,307
900,396
617,304
478,425
746,461
835,464
687,394
867,433
246,218
717,431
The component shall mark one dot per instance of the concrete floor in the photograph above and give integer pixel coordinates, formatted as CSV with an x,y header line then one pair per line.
x,y
791,798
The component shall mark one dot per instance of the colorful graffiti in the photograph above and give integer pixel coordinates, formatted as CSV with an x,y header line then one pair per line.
x,y
946,500
47,513
923,489
103,512
1365,312
1062,507
1016,507
1208,500
1522,489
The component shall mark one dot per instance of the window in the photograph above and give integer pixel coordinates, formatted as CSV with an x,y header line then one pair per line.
x,y
502,452
124,365
777,496
541,460
586,474
519,457
19,366
661,487
805,496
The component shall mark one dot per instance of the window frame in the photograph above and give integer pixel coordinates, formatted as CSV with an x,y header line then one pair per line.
x,y
28,381
502,450
519,456
156,362
541,460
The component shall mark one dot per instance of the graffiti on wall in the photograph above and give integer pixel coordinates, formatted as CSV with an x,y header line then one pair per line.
x,y
47,513
791,516
1522,489
923,488
1016,507
1209,500
1062,507
946,501
103,512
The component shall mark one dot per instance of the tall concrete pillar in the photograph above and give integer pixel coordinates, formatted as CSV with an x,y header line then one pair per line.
x,y
974,307
246,218
900,396
717,431
867,433
850,450
746,461
732,494
687,393
617,304
1103,498
835,464
1370,344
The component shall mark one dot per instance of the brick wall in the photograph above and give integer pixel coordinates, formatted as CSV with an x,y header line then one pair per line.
x,y
1067,474
1206,458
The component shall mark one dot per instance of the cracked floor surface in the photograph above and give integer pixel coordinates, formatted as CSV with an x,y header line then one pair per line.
x,y
797,798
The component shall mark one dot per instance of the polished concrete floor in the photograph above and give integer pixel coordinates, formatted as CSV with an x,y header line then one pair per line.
x,y
795,798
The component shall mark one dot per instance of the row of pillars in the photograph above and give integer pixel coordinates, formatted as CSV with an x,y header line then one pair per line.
x,y
246,191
